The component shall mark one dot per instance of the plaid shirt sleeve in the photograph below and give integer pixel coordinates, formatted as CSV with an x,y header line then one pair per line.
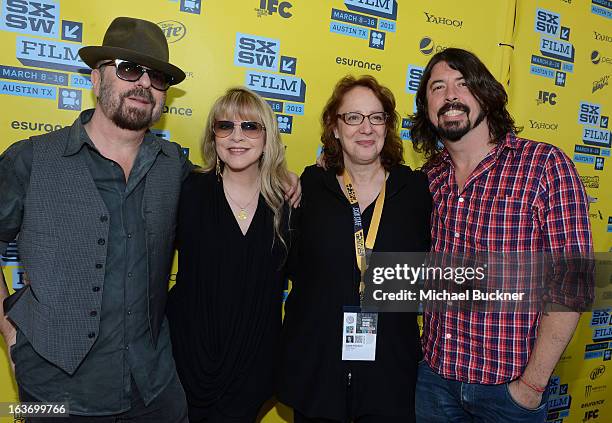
x,y
566,233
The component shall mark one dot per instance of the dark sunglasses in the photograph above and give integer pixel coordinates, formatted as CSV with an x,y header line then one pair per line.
x,y
224,128
132,72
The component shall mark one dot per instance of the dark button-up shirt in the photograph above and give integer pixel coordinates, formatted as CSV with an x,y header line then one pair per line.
x,y
124,348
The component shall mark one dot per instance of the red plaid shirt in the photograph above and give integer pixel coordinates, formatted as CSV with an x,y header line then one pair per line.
x,y
524,196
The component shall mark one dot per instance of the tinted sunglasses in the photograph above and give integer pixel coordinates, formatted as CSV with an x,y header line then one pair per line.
x,y
224,128
132,72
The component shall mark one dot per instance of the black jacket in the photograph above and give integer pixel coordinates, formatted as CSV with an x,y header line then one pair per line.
x,y
313,378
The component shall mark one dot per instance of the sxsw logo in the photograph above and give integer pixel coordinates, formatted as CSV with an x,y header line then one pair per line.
x,y
270,7
276,86
173,30
382,8
264,54
413,78
49,54
595,132
601,317
545,97
557,49
557,53
590,114
40,17
549,23
256,52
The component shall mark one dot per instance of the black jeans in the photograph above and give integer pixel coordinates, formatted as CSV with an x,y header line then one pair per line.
x,y
169,407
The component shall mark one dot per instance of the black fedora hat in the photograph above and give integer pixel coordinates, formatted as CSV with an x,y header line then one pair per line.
x,y
136,40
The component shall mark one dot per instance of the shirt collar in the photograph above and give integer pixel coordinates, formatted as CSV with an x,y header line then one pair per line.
x,y
78,137
508,141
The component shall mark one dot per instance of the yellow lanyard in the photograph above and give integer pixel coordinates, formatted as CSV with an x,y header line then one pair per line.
x,y
362,250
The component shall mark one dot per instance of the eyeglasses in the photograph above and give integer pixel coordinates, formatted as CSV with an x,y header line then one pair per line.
x,y
354,118
224,128
132,72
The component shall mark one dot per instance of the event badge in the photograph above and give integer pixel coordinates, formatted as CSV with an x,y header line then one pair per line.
x,y
359,335
359,329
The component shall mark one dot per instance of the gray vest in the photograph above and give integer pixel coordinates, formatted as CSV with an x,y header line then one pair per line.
x,y
63,243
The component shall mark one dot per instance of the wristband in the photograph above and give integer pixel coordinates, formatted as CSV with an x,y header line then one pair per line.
x,y
535,388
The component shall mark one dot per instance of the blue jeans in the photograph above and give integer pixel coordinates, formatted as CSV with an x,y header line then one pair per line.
x,y
440,400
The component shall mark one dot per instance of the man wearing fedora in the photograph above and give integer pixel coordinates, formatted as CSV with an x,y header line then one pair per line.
x,y
93,206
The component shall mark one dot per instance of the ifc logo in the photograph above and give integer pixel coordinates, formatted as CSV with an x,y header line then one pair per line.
x,y
173,30
426,45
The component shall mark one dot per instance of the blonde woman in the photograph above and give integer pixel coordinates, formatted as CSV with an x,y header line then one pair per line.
x,y
232,236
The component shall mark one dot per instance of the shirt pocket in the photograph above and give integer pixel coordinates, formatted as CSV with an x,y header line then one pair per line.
x,y
507,224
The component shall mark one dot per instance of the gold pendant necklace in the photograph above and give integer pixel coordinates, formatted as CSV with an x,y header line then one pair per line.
x,y
243,214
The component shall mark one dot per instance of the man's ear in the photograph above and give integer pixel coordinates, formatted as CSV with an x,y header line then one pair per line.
x,y
96,78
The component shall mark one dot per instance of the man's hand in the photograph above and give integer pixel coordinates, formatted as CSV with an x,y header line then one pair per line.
x,y
293,190
523,395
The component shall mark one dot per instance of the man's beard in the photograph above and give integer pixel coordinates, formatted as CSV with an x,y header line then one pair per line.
x,y
125,117
455,130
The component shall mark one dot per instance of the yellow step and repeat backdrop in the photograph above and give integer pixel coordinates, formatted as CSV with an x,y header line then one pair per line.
x,y
554,56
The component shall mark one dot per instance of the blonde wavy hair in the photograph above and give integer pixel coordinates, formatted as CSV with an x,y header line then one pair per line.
x,y
244,104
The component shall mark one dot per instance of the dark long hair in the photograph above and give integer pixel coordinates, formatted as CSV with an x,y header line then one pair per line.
x,y
392,152
489,93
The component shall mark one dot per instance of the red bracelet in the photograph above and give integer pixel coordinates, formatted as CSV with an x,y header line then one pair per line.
x,y
535,388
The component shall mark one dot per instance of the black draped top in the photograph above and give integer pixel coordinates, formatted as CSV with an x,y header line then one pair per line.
x,y
313,377
225,309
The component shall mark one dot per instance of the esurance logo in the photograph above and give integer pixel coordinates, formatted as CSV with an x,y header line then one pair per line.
x,y
556,53
173,30
40,17
370,20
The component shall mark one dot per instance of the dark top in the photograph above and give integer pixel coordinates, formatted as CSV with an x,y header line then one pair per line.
x,y
124,348
313,377
225,309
